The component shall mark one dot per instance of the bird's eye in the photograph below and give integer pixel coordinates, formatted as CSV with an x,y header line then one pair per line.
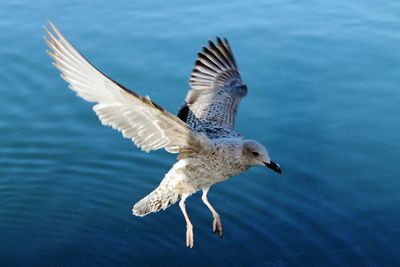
x,y
256,154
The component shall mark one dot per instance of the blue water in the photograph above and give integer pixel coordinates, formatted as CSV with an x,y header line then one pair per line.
x,y
324,97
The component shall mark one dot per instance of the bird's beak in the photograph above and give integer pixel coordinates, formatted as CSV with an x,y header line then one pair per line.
x,y
274,166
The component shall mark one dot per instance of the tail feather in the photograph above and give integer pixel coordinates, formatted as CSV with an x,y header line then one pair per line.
x,y
160,198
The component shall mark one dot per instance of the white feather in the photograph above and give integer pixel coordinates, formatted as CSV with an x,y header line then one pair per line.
x,y
138,118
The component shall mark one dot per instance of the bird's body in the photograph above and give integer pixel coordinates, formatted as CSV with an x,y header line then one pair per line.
x,y
193,172
202,171
203,132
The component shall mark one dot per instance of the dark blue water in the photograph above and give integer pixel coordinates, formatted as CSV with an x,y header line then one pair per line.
x,y
324,97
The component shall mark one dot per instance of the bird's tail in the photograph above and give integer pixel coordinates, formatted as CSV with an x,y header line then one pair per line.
x,y
160,198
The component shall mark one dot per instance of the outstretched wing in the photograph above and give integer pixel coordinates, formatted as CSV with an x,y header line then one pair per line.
x,y
216,89
148,125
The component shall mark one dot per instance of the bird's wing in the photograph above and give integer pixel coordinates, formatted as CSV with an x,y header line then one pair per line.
x,y
138,118
216,90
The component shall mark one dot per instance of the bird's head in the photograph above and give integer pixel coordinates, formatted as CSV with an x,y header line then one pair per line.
x,y
256,154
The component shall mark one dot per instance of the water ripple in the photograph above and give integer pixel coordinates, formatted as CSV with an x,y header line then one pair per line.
x,y
324,89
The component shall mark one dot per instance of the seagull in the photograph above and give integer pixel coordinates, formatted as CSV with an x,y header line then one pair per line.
x,y
202,134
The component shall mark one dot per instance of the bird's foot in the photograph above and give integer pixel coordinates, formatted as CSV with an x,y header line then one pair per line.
x,y
217,226
189,236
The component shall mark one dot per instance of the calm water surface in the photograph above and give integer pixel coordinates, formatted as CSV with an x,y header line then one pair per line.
x,y
324,98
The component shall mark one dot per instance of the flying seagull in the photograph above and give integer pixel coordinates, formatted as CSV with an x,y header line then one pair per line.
x,y
203,133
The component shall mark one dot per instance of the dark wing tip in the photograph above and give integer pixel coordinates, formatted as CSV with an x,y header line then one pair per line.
x,y
214,64
219,41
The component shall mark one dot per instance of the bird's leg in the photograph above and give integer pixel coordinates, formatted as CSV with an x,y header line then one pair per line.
x,y
217,226
189,226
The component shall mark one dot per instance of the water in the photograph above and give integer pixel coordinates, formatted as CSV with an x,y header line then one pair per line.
x,y
323,96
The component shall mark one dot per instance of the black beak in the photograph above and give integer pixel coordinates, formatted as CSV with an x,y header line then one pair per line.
x,y
274,166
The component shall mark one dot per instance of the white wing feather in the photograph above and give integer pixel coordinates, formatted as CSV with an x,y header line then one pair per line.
x,y
148,125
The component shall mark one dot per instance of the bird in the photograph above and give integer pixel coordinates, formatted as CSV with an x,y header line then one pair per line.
x,y
202,133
